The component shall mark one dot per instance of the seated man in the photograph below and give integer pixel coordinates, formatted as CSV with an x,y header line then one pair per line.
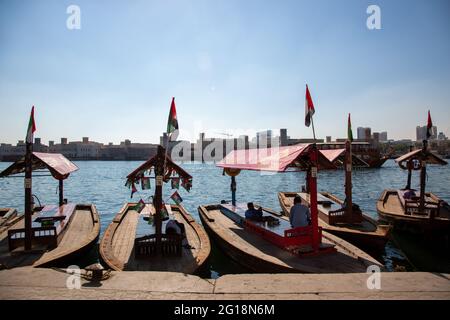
x,y
409,194
252,214
299,215
175,227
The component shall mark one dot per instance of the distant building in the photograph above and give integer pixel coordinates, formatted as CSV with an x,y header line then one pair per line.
x,y
421,133
361,135
383,136
442,136
328,139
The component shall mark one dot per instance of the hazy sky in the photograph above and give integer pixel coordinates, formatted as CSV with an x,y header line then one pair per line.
x,y
233,66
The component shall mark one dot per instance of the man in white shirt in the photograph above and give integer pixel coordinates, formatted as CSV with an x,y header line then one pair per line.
x,y
299,215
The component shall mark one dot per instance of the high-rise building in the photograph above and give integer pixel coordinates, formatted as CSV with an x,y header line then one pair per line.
x,y
360,133
421,133
383,136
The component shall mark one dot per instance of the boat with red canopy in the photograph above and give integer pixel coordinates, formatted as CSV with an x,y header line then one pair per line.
x,y
343,218
411,209
49,235
138,237
272,245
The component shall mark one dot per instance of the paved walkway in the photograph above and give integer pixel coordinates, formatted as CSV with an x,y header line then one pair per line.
x,y
35,283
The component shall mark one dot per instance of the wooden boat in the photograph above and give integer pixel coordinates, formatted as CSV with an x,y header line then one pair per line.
x,y
229,228
50,235
343,219
417,211
273,245
131,243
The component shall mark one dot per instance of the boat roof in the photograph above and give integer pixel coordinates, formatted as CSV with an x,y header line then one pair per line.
x,y
277,159
59,166
147,165
334,154
419,154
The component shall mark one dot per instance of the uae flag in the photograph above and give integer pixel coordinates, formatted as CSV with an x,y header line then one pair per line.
x,y
429,126
31,127
172,123
309,108
349,129
176,197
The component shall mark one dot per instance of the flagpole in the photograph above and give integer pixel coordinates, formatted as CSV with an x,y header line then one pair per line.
x,y
312,124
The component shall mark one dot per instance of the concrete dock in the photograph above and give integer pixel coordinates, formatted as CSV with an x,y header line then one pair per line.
x,y
36,283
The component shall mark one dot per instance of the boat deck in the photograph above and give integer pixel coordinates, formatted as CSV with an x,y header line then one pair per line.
x,y
390,205
262,256
82,231
117,245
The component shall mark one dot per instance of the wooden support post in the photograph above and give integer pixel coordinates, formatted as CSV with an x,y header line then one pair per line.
x,y
61,192
233,191
157,199
28,195
313,197
348,181
410,167
423,176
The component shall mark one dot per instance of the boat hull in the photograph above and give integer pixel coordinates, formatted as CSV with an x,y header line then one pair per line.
x,y
121,233
372,239
259,255
79,236
390,209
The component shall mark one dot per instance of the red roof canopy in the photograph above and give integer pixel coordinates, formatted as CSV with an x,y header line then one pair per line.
x,y
59,166
332,154
273,159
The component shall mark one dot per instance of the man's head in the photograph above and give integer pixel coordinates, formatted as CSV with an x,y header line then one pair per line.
x,y
250,206
297,199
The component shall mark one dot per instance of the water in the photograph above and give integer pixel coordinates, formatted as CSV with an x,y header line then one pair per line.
x,y
102,183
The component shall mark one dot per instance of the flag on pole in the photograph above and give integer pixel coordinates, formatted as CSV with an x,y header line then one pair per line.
x,y
309,108
133,189
145,183
31,127
349,130
176,197
172,123
175,183
429,126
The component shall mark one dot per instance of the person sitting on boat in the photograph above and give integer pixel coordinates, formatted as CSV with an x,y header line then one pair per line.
x,y
299,215
252,213
409,194
175,227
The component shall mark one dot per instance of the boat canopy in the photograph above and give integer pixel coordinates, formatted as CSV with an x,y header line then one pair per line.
x,y
59,166
334,155
279,159
169,165
420,155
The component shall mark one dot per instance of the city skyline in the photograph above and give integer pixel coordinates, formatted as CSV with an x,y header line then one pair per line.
x,y
234,67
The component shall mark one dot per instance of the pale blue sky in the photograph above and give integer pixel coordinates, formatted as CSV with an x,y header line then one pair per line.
x,y
232,65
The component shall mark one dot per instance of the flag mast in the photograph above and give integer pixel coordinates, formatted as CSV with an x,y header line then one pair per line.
x,y
28,181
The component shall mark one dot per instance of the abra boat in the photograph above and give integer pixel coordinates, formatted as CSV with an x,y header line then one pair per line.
x,y
417,211
343,219
49,235
273,245
130,242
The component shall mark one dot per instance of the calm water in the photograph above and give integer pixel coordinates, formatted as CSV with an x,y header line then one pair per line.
x,y
102,183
